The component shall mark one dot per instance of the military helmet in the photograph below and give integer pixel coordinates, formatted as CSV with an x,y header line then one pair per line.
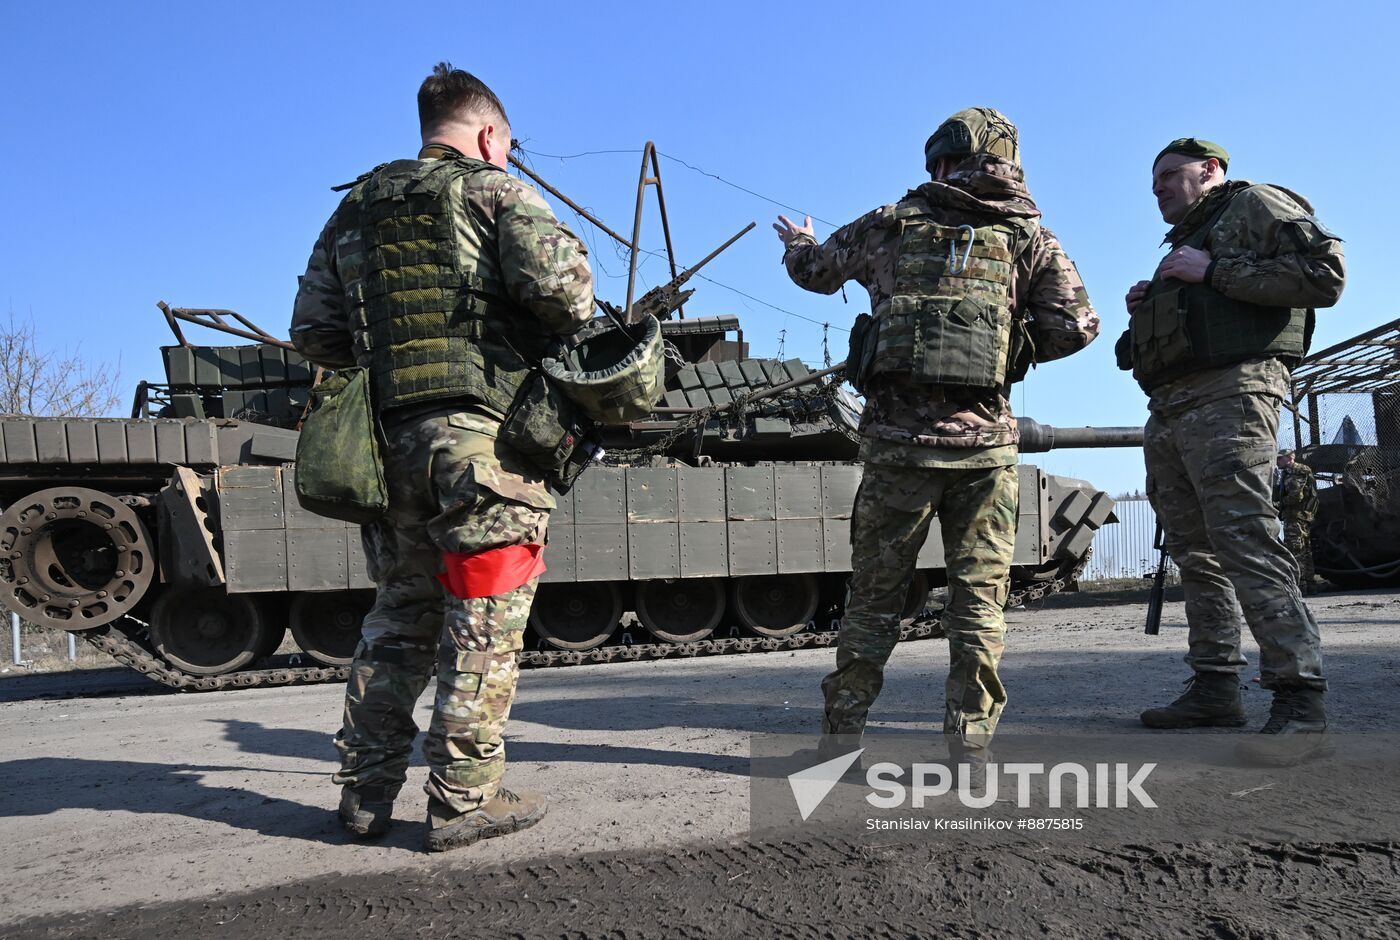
x,y
613,377
973,130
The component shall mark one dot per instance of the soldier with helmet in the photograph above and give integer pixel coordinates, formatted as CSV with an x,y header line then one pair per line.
x,y
1295,497
1212,338
967,291
447,280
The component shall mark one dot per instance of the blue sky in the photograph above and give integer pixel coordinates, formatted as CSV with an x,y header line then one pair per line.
x,y
186,152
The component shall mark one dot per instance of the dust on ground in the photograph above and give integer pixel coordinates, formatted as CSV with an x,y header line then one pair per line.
x,y
130,814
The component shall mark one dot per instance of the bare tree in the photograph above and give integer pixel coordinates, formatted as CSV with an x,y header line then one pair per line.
x,y
52,383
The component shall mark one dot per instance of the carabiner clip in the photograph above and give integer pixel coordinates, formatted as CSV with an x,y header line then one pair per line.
x,y
953,266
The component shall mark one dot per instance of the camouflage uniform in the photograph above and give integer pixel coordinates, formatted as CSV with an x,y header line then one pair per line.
x,y
1211,440
1295,497
939,450
453,488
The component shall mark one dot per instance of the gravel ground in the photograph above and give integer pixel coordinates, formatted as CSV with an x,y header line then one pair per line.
x,y
129,811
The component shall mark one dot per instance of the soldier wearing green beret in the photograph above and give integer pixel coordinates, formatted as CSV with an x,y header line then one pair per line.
x,y
967,290
438,275
1212,338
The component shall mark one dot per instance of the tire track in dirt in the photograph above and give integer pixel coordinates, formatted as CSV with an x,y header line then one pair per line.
x,y
806,888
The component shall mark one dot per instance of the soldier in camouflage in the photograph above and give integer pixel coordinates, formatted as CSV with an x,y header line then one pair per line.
x,y
1211,339
967,290
439,275
1295,498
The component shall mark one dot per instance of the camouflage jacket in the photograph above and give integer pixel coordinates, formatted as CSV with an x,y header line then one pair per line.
x,y
1295,491
1047,291
1269,249
506,225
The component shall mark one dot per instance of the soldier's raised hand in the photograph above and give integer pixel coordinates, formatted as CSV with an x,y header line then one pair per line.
x,y
786,229
1135,294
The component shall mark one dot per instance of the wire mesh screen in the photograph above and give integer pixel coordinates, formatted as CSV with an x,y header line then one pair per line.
x,y
1344,423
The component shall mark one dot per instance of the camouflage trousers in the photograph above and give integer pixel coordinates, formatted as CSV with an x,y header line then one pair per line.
x,y
445,482
1298,540
894,509
1209,478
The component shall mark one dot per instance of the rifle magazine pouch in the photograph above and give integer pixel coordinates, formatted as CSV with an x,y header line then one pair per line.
x,y
541,424
339,471
1161,342
959,341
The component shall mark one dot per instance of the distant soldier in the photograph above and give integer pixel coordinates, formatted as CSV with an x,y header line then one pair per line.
x,y
967,290
1295,497
438,275
1212,338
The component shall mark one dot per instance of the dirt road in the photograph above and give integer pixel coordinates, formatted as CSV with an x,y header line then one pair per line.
x,y
130,811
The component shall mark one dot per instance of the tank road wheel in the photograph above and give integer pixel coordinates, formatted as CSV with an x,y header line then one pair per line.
x,y
207,632
917,598
775,605
681,611
73,558
576,615
326,625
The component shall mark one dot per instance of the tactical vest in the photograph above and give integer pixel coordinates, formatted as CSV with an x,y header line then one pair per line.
x,y
1181,328
949,320
427,325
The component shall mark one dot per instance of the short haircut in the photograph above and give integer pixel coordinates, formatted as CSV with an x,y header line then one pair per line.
x,y
450,93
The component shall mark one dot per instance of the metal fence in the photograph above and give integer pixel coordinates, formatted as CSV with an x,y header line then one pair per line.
x,y
17,643
1124,550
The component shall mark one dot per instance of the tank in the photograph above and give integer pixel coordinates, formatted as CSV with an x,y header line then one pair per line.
x,y
173,540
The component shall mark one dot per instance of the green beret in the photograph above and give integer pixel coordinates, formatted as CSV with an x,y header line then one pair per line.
x,y
1198,148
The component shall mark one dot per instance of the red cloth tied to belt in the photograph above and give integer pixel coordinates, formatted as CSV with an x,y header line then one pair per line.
x,y
494,571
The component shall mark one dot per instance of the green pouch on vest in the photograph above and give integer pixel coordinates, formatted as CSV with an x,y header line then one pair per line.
x,y
339,471
958,341
865,335
1160,339
541,424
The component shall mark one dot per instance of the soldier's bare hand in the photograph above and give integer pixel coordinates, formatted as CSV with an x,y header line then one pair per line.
x,y
1185,264
1136,293
786,229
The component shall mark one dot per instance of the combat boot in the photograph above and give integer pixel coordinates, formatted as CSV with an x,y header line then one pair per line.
x,y
1212,700
1296,730
506,812
366,812
833,746
968,763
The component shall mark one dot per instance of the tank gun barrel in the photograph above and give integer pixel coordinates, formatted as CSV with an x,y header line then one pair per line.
x,y
1037,438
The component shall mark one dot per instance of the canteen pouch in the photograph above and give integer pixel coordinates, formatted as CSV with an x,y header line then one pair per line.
x,y
340,474
860,356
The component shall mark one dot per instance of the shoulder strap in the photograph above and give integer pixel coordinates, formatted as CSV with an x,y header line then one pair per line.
x,y
1201,235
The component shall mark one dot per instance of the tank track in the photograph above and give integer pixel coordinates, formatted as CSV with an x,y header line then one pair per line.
x,y
122,641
